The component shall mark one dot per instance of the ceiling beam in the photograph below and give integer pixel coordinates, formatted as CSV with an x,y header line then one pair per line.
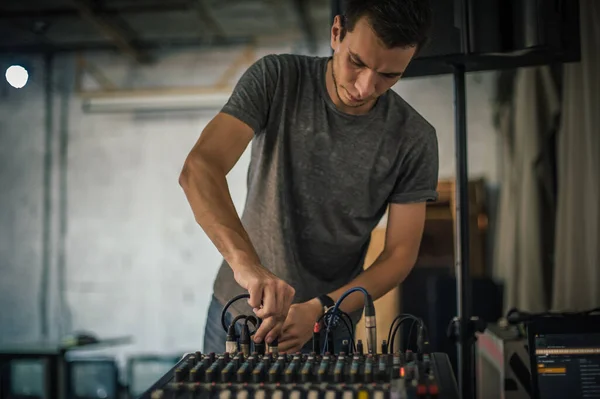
x,y
63,12
112,31
169,44
206,17
304,20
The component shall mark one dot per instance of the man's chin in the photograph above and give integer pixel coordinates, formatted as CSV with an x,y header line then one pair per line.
x,y
354,104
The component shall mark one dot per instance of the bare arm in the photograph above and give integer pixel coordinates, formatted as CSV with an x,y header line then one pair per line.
x,y
204,182
403,238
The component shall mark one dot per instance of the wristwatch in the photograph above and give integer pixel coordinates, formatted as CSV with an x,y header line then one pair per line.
x,y
326,301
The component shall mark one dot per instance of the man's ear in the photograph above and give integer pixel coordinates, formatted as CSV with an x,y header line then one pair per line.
x,y
336,32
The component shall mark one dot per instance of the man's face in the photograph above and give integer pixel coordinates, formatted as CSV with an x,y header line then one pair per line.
x,y
363,67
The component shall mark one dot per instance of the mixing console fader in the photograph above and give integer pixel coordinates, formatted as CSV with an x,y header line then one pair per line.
x,y
307,376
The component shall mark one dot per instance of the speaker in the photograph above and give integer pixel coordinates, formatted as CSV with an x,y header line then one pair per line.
x,y
499,34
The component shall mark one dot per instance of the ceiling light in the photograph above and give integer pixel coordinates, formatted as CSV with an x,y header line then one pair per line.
x,y
16,76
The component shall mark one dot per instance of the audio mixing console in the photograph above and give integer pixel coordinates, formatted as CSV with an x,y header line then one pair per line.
x,y
248,370
307,376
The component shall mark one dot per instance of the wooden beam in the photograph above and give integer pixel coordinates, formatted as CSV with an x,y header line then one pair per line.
x,y
100,78
245,59
206,17
110,30
152,92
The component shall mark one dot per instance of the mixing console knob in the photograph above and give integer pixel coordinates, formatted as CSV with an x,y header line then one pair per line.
x,y
307,368
359,347
275,371
260,371
197,372
227,372
182,372
296,393
158,394
323,370
292,369
433,391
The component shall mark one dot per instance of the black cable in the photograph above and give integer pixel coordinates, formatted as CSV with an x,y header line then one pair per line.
x,y
230,329
227,305
398,319
410,331
327,318
402,319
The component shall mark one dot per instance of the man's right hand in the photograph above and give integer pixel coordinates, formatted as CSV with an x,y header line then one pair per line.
x,y
270,299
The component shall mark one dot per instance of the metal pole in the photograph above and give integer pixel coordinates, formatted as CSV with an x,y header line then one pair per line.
x,y
43,299
466,374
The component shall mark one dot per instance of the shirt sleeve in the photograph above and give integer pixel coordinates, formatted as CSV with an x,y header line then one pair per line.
x,y
418,178
252,95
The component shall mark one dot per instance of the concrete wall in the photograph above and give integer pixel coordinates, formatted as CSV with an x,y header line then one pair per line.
x,y
133,261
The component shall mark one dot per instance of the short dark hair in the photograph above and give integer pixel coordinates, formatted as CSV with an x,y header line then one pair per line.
x,y
397,23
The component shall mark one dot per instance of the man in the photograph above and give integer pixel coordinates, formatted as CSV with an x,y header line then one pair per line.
x,y
333,147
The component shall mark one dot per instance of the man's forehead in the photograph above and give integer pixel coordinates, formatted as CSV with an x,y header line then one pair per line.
x,y
383,60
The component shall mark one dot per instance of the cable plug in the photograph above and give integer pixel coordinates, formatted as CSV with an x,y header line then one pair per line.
x,y
359,347
231,341
259,348
245,340
273,348
316,341
422,342
370,325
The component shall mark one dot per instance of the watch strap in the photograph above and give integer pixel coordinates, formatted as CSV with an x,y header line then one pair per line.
x,y
326,301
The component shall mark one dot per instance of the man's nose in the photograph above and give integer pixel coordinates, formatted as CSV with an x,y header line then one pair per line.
x,y
365,84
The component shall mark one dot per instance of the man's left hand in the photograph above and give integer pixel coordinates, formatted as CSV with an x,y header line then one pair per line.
x,y
299,324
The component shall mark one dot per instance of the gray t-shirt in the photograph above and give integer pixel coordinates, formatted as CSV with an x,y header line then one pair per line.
x,y
319,179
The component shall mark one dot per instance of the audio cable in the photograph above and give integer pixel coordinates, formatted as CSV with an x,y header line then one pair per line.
x,y
422,333
328,321
370,321
232,340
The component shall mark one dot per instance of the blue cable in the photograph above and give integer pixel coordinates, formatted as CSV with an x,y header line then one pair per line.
x,y
333,317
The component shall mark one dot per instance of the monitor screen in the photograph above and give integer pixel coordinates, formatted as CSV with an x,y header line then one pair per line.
x,y
145,373
568,365
27,378
94,379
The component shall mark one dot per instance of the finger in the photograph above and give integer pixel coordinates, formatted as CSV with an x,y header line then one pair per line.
x,y
289,297
269,301
261,313
274,333
280,305
256,295
265,327
288,346
288,332
288,327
